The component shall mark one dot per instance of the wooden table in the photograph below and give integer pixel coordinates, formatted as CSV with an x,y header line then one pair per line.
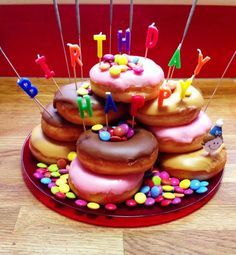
x,y
28,227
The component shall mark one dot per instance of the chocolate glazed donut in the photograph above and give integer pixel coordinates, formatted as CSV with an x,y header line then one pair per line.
x,y
135,155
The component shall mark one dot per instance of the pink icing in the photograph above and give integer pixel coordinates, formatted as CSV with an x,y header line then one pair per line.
x,y
151,76
89,182
186,133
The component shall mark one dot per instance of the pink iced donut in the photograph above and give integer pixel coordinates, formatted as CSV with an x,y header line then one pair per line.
x,y
102,188
184,138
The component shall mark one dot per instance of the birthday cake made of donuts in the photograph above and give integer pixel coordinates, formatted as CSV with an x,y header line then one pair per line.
x,y
127,135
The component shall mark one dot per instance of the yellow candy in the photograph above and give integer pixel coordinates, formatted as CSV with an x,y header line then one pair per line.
x,y
60,182
168,195
104,66
93,205
72,155
97,127
122,60
53,168
167,188
54,190
184,184
115,71
140,198
123,68
82,91
64,176
64,188
85,85
116,59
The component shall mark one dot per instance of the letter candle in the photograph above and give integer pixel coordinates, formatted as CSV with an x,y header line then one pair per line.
x,y
164,92
75,58
26,85
109,105
84,107
124,41
137,102
99,38
152,38
41,60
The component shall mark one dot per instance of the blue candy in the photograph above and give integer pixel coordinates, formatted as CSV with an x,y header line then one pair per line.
x,y
155,191
145,189
195,184
202,190
204,183
135,60
104,135
45,180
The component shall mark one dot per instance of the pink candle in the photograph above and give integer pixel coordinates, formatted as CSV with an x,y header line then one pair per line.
x,y
42,62
152,36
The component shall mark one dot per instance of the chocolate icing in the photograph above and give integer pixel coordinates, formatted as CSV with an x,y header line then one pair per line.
x,y
56,120
142,144
69,96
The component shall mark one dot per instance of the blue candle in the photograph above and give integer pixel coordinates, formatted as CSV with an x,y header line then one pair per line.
x,y
26,85
124,41
110,104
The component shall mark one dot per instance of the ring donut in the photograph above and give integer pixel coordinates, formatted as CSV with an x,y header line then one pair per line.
x,y
135,155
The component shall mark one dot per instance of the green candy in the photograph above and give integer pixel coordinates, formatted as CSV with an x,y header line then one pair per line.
x,y
55,174
70,195
156,180
55,189
53,168
41,165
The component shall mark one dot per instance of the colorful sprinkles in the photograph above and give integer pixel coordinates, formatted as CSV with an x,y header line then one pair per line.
x,y
158,187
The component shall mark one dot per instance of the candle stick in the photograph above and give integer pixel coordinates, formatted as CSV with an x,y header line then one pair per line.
x,y
152,38
41,60
77,9
124,41
26,85
61,35
110,21
75,53
220,80
84,107
99,38
109,105
131,11
137,102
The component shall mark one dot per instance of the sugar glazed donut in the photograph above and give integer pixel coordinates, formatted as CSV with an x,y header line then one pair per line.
x,y
67,107
57,128
47,150
174,111
124,76
101,188
135,155
183,138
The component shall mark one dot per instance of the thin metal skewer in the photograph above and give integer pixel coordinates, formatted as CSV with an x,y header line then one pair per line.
x,y
110,24
131,12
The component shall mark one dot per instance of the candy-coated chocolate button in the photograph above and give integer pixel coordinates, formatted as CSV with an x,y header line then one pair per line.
x,y
135,60
41,165
47,174
64,176
80,202
164,175
188,192
63,171
178,189
168,195
176,200
166,202
115,71
45,180
140,198
55,174
38,175
64,188
145,189
125,127
104,66
179,194
131,203
93,205
108,57
138,69
195,184
115,138
119,131
85,85
51,184
53,168
130,133
55,189
60,182
155,191
204,183
60,195
61,163
184,184
70,195
123,68
202,190
159,199
167,188
174,181
110,207
156,180
72,155
97,127
150,201
104,135
41,170
82,91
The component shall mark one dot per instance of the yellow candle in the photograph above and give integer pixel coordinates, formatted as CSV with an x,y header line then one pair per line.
x,y
99,38
184,86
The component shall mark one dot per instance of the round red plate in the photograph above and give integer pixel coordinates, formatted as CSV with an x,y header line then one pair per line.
x,y
124,216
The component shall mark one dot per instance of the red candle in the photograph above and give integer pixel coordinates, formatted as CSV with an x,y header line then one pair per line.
x,y
164,93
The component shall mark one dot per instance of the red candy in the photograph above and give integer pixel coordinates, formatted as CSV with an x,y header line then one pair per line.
x,y
166,202
61,163
159,199
60,195
131,203
111,207
119,131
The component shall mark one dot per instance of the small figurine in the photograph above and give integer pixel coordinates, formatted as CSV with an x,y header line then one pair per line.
x,y
214,139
